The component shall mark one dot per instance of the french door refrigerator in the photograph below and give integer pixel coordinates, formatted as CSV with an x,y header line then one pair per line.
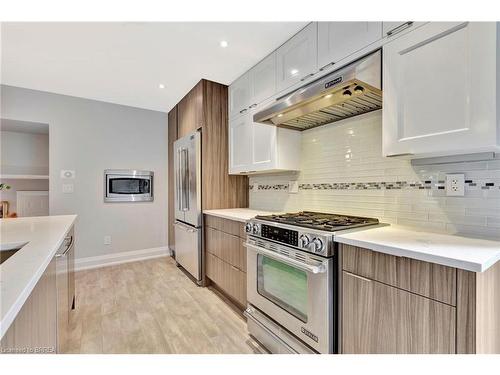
x,y
187,194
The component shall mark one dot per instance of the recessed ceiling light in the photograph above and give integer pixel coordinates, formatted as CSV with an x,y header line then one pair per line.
x,y
328,96
161,86
294,71
223,43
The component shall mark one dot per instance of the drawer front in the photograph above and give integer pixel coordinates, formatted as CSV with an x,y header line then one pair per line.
x,y
233,227
423,278
378,318
226,247
230,279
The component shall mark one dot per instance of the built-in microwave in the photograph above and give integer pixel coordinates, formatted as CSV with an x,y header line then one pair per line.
x,y
128,185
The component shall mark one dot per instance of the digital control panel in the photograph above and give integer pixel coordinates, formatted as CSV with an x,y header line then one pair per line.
x,y
288,236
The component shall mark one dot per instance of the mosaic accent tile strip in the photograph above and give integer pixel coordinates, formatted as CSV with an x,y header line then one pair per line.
x,y
390,185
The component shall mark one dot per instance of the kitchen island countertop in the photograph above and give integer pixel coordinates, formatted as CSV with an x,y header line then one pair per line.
x,y
21,272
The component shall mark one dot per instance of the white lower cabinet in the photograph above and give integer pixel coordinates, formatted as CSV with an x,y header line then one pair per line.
x,y
440,90
261,148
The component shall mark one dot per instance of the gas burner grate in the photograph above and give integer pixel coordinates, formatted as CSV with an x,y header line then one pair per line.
x,y
319,221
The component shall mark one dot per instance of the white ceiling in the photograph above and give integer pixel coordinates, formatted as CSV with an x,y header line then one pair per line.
x,y
125,62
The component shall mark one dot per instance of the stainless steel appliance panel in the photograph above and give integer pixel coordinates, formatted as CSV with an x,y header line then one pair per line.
x,y
188,248
293,288
128,185
187,169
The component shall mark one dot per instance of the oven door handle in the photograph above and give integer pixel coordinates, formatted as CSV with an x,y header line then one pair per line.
x,y
320,268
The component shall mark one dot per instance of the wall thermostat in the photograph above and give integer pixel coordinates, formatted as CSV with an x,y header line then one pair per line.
x,y
67,174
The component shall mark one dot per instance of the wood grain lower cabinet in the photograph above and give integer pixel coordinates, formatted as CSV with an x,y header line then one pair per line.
x,y
35,328
427,279
230,279
226,257
378,318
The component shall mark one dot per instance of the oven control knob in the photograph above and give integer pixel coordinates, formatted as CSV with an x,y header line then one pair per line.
x,y
304,240
317,245
248,227
256,228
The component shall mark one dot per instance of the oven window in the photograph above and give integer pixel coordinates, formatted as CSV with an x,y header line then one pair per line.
x,y
284,285
129,186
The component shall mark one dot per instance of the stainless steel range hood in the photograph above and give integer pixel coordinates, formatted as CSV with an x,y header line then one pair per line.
x,y
347,92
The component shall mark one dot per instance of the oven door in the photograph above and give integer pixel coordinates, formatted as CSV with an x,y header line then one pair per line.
x,y
128,188
293,288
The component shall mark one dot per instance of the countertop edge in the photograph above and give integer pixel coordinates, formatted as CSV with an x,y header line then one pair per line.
x,y
438,259
11,314
229,217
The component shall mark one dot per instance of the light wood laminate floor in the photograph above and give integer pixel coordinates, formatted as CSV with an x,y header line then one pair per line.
x,y
152,307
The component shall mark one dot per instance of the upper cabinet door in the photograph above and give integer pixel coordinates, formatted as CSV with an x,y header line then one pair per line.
x,y
263,80
440,89
240,144
239,95
297,58
337,40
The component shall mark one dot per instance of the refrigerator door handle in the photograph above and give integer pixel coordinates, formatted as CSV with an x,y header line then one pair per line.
x,y
179,180
186,177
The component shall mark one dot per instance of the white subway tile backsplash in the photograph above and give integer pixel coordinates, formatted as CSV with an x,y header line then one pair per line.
x,y
343,171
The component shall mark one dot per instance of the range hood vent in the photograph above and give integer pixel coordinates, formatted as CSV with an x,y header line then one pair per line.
x,y
347,92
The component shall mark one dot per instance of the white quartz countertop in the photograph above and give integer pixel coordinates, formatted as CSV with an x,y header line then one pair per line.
x,y
20,273
237,214
466,253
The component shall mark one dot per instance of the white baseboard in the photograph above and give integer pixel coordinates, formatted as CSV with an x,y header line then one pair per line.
x,y
119,258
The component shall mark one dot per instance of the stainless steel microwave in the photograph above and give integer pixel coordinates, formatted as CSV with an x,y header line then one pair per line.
x,y
128,185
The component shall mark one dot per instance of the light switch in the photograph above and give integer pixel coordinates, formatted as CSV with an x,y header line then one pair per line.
x,y
67,188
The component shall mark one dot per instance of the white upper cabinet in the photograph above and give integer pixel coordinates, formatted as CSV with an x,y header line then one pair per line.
x,y
263,80
440,90
239,95
240,144
297,58
261,148
253,87
337,40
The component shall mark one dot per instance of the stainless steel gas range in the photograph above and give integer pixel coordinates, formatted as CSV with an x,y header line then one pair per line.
x,y
292,267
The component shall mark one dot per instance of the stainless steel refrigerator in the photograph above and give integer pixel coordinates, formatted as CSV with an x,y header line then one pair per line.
x,y
188,216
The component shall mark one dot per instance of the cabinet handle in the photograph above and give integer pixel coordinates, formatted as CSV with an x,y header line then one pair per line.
x,y
307,76
326,66
358,277
243,110
234,268
253,105
402,154
399,28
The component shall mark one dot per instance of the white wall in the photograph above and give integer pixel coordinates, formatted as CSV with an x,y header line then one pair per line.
x,y
24,153
343,171
90,136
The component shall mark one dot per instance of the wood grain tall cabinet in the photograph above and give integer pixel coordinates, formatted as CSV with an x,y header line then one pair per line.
x,y
205,108
172,136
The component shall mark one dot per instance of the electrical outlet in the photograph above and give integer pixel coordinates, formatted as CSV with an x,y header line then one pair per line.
x,y
293,187
455,185
68,188
107,240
